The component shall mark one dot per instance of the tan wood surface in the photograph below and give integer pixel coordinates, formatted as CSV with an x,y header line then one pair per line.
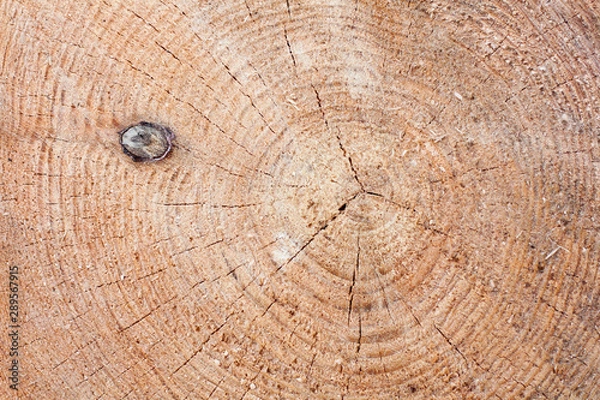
x,y
364,200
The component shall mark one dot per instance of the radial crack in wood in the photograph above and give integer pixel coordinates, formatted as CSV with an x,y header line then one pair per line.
x,y
365,200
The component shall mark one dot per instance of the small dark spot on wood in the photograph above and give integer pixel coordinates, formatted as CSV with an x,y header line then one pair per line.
x,y
540,267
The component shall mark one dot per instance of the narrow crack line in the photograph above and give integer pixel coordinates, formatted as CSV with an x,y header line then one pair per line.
x,y
240,86
392,202
87,377
234,205
267,245
217,329
287,40
126,395
143,19
77,350
383,364
217,242
412,312
385,299
320,105
176,7
249,10
258,171
352,167
357,266
200,282
451,344
354,278
202,203
310,368
170,93
287,4
260,371
186,362
359,341
269,307
153,395
197,351
181,204
351,296
216,387
317,233
305,245
143,317
244,394
375,194
228,171
268,93
204,116
168,51
343,396
428,227
293,332
252,379
151,274
231,272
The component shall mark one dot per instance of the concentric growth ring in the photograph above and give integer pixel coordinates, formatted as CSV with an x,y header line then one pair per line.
x,y
363,200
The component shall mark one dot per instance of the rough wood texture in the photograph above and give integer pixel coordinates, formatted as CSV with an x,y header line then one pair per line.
x,y
365,200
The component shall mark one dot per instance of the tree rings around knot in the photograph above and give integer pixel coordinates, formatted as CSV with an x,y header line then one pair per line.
x,y
146,141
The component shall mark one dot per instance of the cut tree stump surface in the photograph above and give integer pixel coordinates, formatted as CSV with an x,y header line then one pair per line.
x,y
364,200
